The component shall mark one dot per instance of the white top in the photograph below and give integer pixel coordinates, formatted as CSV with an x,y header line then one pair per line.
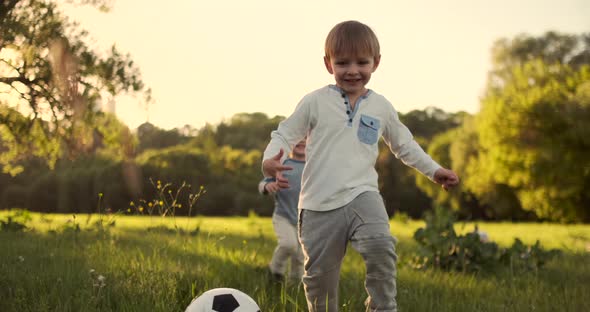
x,y
342,145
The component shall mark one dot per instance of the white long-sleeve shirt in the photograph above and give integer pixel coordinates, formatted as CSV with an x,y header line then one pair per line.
x,y
342,145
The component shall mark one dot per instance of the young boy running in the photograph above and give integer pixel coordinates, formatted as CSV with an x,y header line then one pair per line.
x,y
284,218
340,200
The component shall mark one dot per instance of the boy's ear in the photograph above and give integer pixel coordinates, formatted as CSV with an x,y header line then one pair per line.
x,y
328,65
376,62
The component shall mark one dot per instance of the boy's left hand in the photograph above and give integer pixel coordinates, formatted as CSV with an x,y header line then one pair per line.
x,y
446,178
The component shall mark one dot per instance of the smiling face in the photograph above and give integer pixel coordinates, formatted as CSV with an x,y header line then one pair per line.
x,y
352,72
352,55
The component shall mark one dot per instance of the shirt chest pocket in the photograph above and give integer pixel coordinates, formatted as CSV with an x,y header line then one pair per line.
x,y
368,131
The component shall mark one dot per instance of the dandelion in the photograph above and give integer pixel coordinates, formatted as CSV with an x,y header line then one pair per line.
x,y
92,271
161,203
131,203
128,209
140,208
179,205
150,205
21,258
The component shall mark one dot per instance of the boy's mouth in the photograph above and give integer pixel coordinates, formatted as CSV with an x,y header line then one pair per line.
x,y
353,80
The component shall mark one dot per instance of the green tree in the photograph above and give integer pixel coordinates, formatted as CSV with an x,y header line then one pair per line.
x,y
54,80
531,128
247,131
552,47
535,135
152,137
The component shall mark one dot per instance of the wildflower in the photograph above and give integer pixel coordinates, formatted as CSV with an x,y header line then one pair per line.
x,y
92,271
100,281
179,205
21,258
100,195
161,203
150,204
131,203
140,208
128,209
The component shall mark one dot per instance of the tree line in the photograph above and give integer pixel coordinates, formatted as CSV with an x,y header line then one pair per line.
x,y
523,156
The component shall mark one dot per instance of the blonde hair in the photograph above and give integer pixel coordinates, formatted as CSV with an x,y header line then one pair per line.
x,y
351,38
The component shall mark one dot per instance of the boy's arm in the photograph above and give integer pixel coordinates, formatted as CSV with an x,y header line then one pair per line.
x,y
289,132
402,144
267,186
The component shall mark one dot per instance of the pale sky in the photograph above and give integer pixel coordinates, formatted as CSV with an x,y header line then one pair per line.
x,y
208,60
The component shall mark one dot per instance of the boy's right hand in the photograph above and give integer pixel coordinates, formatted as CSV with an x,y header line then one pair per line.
x,y
273,167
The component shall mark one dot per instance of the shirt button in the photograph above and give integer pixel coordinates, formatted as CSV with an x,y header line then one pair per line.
x,y
348,112
343,95
350,120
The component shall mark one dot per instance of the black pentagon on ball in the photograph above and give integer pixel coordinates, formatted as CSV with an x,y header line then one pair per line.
x,y
225,303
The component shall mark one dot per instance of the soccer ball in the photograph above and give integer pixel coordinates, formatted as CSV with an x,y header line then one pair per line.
x,y
223,300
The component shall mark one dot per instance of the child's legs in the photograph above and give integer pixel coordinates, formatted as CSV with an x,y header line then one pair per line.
x,y
287,245
372,239
297,261
323,239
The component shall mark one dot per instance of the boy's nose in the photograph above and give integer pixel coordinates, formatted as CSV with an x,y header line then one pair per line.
x,y
352,70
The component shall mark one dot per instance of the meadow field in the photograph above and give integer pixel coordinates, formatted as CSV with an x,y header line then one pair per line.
x,y
140,263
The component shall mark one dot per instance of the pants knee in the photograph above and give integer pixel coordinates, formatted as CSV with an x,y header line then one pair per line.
x,y
378,251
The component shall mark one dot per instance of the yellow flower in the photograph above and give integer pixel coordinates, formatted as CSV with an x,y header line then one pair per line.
x,y
179,205
131,204
140,208
150,204
161,203
128,209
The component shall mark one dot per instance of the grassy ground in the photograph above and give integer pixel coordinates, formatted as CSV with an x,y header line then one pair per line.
x,y
147,265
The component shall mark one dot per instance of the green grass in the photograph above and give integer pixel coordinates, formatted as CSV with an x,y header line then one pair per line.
x,y
48,268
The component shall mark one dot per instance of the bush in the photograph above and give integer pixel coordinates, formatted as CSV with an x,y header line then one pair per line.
x,y
441,247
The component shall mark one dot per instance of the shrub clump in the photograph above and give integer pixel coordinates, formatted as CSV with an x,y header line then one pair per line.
x,y
441,247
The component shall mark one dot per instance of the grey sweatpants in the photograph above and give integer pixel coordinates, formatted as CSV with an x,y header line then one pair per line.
x,y
324,237
288,248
